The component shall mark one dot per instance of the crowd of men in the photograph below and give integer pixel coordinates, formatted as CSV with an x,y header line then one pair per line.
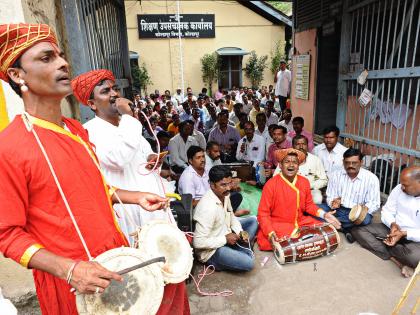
x,y
62,179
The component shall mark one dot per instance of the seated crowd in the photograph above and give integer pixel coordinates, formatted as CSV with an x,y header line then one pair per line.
x,y
304,184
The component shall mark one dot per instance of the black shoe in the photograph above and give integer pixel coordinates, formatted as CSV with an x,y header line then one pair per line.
x,y
349,237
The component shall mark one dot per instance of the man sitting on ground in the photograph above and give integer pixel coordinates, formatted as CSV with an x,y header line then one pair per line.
x,y
398,236
287,119
280,142
217,240
212,154
285,201
178,147
331,151
251,148
352,186
298,124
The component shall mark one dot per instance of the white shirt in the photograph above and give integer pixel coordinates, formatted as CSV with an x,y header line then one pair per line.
x,y
265,134
192,183
314,171
199,137
288,126
213,221
254,150
247,107
178,150
333,161
272,120
404,210
233,117
283,82
362,190
210,163
122,152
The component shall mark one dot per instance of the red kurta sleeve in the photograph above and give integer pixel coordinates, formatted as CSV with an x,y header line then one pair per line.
x,y
309,206
265,207
15,242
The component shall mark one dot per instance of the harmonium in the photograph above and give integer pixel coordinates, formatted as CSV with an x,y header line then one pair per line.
x,y
242,170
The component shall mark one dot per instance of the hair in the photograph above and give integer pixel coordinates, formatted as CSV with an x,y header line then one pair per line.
x,y
193,150
204,90
272,127
238,105
269,102
15,87
282,128
219,101
353,152
218,172
298,120
182,125
242,114
223,113
332,128
287,110
250,123
163,134
261,115
298,137
211,144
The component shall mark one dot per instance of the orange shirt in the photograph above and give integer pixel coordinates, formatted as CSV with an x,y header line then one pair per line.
x,y
172,129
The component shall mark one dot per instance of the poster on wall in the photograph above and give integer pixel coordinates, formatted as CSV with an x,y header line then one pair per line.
x,y
155,26
302,66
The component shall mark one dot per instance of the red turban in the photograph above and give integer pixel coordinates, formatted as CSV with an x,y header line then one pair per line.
x,y
282,153
15,39
84,84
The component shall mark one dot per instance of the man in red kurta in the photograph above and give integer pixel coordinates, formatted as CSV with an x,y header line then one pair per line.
x,y
35,227
286,202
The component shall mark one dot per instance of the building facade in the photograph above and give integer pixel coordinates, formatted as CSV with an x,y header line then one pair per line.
x,y
239,27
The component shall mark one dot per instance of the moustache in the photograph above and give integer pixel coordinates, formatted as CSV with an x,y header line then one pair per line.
x,y
227,192
351,168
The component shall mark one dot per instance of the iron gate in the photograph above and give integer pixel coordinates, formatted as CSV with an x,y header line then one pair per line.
x,y
381,37
97,34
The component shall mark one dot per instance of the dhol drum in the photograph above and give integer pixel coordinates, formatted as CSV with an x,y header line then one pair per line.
x,y
159,238
312,242
141,292
358,214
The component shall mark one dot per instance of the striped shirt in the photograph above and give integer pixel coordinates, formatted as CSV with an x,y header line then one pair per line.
x,y
362,190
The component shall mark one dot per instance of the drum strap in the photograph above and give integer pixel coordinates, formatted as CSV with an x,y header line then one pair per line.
x,y
30,128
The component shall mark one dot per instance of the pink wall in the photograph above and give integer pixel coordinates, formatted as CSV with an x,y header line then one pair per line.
x,y
305,43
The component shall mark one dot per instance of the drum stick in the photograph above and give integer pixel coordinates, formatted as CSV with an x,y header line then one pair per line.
x,y
143,264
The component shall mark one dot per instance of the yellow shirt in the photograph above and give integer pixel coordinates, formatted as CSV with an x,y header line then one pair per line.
x,y
241,131
173,129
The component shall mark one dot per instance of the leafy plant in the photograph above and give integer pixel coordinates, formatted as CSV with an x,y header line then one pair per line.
x,y
277,55
285,7
141,77
210,69
254,69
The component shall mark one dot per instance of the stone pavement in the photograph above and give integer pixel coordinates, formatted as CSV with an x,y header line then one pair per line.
x,y
350,281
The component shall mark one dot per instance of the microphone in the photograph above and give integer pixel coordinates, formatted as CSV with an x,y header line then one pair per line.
x,y
246,146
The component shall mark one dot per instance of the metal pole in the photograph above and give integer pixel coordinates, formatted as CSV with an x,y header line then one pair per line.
x,y
180,51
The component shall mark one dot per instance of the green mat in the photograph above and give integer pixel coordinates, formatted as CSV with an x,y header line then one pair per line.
x,y
251,198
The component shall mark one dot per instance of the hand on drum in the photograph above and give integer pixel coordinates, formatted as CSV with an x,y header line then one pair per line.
x,y
277,239
330,218
90,277
232,238
152,202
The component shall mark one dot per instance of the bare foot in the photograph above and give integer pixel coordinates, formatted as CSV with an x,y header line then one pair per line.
x,y
241,212
407,272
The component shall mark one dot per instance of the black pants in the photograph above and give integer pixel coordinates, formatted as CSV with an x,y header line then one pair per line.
x,y
235,200
406,252
282,102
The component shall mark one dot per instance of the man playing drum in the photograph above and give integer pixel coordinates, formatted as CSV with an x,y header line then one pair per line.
x,y
56,210
286,202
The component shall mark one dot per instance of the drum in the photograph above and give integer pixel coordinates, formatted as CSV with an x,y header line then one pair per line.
x,y
312,242
141,292
159,238
358,214
242,170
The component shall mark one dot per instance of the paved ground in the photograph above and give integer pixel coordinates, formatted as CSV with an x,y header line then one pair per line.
x,y
351,281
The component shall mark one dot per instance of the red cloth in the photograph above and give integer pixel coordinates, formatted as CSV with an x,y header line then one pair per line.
x,y
39,215
282,208
84,84
15,39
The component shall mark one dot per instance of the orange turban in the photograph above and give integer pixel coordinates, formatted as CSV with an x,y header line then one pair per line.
x,y
282,153
15,39
84,84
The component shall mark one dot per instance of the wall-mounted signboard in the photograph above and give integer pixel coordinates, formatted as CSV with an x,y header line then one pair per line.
x,y
303,65
166,25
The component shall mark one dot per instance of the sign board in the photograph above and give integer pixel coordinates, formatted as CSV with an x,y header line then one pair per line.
x,y
303,64
166,25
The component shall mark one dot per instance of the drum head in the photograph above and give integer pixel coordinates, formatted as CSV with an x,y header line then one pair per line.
x,y
159,238
141,292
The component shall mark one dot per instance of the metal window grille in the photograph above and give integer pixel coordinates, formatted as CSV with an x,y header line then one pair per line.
x,y
382,37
